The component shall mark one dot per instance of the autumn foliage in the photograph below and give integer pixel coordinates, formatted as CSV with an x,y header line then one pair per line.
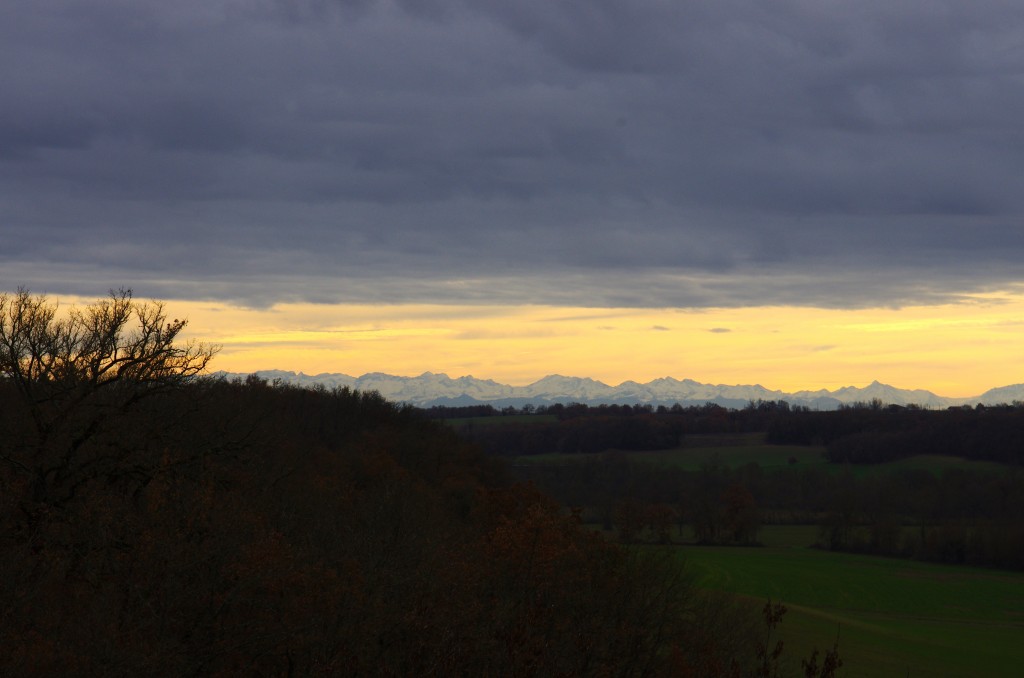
x,y
316,534
214,528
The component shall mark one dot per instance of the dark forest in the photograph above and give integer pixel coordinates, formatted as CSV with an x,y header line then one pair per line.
x,y
156,522
959,515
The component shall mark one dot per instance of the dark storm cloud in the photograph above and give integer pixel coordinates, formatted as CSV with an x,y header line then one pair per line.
x,y
610,152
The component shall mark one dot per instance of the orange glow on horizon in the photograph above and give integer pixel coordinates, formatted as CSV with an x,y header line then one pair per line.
x,y
953,350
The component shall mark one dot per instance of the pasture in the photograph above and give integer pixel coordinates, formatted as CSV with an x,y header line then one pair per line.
x,y
738,450
731,450
893,617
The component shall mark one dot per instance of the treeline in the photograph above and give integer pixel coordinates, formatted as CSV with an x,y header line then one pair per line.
x,y
864,433
578,435
647,502
583,429
713,417
954,515
874,434
944,515
948,515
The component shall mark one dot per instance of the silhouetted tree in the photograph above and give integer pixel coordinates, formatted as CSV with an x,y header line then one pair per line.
x,y
70,379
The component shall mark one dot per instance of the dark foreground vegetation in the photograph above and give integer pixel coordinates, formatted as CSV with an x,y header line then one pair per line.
x,y
944,486
153,522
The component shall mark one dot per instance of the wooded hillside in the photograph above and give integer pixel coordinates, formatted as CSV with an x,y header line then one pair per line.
x,y
156,523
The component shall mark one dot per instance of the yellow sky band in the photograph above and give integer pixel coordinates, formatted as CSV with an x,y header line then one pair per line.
x,y
953,350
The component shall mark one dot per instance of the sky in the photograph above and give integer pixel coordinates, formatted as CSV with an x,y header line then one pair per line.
x,y
800,193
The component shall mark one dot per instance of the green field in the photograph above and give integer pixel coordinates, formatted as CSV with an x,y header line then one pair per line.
x,y
929,462
894,617
729,450
736,450
766,456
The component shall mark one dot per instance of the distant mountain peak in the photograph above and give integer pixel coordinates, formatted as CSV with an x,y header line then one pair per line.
x,y
431,388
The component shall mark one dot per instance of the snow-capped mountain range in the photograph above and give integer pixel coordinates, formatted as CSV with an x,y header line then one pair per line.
x,y
431,389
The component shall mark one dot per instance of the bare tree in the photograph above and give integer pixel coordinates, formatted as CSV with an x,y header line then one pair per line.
x,y
67,377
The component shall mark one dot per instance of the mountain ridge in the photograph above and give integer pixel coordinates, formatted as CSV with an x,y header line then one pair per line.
x,y
429,389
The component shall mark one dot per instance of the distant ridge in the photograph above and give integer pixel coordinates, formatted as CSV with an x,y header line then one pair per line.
x,y
431,389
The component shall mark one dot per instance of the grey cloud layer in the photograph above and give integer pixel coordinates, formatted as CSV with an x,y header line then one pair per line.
x,y
610,152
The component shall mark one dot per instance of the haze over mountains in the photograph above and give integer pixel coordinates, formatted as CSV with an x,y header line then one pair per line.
x,y
431,389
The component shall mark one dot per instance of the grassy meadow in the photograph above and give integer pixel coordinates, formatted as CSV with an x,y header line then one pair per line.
x,y
737,450
893,617
730,450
